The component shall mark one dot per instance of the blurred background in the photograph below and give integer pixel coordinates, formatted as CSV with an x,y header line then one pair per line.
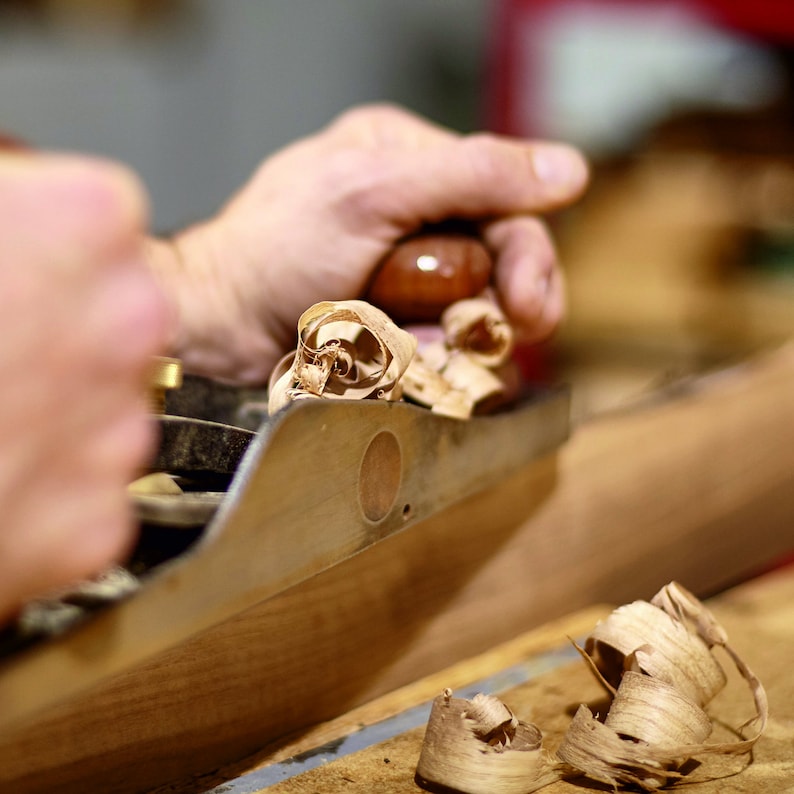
x,y
194,93
681,256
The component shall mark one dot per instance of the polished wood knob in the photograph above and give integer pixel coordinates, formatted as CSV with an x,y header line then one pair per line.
x,y
425,273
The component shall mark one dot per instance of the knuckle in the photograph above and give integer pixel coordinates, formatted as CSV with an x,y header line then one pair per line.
x,y
494,162
102,190
70,209
484,154
377,116
356,182
540,241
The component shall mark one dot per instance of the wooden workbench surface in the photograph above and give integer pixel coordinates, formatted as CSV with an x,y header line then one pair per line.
x,y
759,617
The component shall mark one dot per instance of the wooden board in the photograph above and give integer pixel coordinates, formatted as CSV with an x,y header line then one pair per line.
x,y
759,618
696,485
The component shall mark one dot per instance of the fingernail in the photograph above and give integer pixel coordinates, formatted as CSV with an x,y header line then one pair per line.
x,y
559,165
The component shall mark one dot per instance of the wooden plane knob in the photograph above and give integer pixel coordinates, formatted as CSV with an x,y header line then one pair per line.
x,y
424,274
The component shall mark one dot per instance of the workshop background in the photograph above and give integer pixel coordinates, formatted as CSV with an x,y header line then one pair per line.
x,y
194,93
680,256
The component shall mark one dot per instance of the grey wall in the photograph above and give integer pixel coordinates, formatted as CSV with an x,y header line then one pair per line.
x,y
196,97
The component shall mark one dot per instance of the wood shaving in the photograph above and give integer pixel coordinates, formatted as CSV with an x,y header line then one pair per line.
x,y
352,350
158,482
346,350
478,746
62,609
455,376
479,328
656,659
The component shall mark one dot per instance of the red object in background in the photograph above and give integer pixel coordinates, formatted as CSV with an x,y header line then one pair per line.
x,y
767,20
772,20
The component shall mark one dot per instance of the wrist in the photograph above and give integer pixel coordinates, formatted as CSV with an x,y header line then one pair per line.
x,y
212,334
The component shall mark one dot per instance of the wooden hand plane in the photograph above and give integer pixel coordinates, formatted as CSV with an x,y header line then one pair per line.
x,y
316,484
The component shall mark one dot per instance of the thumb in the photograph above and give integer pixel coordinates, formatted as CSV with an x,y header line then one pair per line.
x,y
480,176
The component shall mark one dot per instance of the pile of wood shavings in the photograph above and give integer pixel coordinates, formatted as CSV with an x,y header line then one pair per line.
x,y
353,350
656,660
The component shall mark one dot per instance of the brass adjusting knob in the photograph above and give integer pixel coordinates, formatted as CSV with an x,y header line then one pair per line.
x,y
165,374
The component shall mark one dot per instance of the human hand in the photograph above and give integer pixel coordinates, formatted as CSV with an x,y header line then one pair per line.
x,y
317,217
81,317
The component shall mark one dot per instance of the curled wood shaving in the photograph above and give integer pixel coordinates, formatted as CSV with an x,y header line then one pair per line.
x,y
454,389
346,350
597,751
491,720
352,350
658,645
675,719
478,746
455,376
479,328
657,660
158,482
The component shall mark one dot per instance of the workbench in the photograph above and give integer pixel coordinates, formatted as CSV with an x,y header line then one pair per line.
x,y
758,615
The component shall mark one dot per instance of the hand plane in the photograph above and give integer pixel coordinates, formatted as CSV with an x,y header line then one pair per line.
x,y
275,500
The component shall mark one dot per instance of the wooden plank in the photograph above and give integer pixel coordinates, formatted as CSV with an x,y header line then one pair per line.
x,y
698,486
759,618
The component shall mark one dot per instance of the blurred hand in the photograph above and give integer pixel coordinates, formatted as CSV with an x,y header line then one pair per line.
x,y
81,317
317,217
